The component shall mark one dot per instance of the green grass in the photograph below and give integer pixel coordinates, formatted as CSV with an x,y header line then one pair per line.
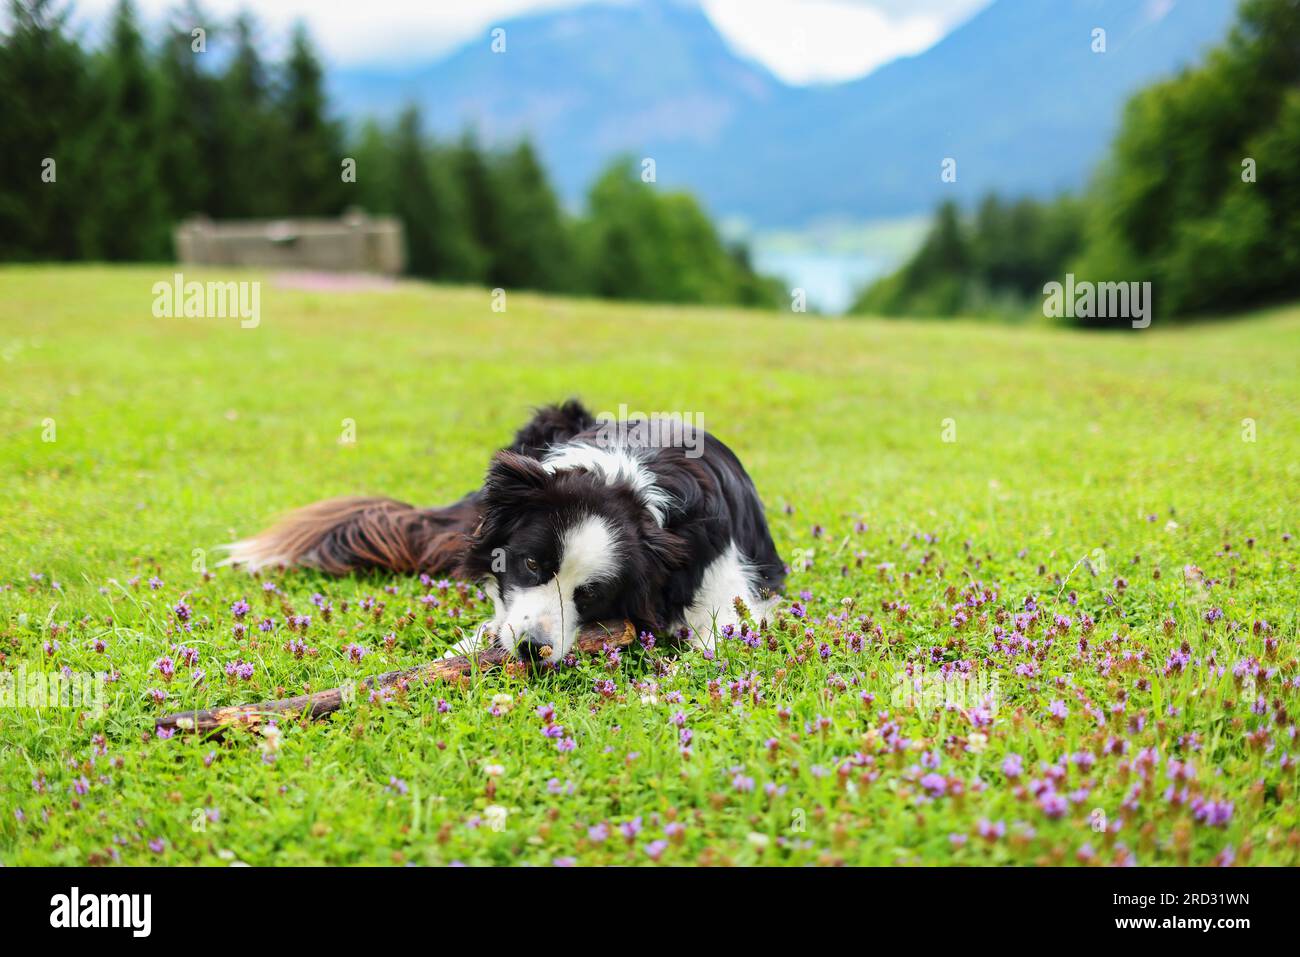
x,y
173,436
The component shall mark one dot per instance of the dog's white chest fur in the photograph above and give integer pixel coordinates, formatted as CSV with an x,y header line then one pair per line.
x,y
728,577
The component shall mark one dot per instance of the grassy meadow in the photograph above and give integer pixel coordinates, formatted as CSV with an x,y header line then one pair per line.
x,y
935,487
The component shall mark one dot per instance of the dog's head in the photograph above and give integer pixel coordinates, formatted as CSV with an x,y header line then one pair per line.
x,y
564,545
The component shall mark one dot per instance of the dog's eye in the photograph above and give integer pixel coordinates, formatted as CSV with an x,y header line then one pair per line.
x,y
530,563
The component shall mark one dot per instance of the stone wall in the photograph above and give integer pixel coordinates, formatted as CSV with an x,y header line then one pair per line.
x,y
353,243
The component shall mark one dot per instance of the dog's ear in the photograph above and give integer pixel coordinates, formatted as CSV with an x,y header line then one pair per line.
x,y
513,479
513,482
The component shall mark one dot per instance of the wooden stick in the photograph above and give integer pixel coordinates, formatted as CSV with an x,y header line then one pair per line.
x,y
320,703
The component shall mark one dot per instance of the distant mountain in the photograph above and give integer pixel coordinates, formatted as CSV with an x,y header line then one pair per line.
x,y
1016,95
654,78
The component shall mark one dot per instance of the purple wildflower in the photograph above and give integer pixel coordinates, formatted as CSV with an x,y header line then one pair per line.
x,y
935,784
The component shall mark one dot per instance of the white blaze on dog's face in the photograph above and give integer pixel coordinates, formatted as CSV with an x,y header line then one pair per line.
x,y
552,584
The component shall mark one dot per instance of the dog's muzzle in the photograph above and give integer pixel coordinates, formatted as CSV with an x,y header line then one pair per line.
x,y
535,648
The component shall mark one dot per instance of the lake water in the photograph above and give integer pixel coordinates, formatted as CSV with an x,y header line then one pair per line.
x,y
831,280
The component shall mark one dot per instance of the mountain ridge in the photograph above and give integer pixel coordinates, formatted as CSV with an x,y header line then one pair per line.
x,y
1015,94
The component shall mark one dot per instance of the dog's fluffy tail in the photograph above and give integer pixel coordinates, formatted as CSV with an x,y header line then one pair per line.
x,y
342,535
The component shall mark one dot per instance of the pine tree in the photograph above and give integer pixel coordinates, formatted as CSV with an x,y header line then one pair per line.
x,y
480,201
249,181
126,219
533,247
192,142
372,149
43,91
618,235
438,244
311,151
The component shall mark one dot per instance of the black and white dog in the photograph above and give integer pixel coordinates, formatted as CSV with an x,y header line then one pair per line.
x,y
576,523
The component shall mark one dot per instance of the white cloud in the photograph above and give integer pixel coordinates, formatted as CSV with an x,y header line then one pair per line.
x,y
805,41
799,40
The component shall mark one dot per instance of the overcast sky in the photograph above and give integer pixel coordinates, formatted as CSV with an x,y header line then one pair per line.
x,y
800,40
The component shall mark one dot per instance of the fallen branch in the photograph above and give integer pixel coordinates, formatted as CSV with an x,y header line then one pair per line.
x,y
320,703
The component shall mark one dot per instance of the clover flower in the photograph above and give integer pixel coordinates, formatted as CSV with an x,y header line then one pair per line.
x,y
1212,813
1053,804
991,831
935,785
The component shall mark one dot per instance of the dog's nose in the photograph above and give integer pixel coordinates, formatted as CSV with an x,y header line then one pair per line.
x,y
535,648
